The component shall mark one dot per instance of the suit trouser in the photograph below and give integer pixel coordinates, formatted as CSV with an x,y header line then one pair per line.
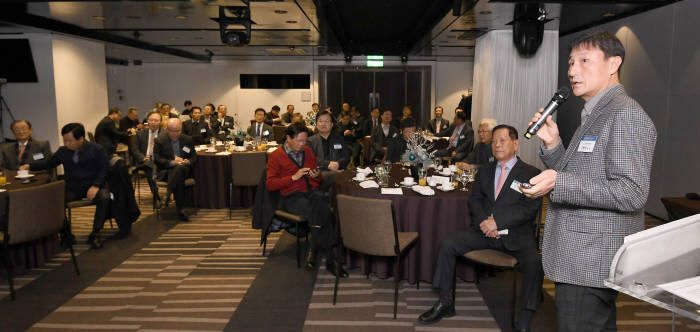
x,y
458,244
314,207
581,308
148,168
176,183
101,201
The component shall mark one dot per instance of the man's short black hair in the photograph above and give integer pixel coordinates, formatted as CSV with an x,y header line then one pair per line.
x,y
408,123
275,108
324,112
154,112
77,129
603,40
295,129
12,126
314,104
374,108
512,132
259,109
196,108
462,116
289,105
188,103
384,111
113,110
165,104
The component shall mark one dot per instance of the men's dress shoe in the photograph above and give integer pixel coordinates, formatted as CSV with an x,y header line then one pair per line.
x,y
119,235
182,216
311,259
436,313
94,241
331,267
166,202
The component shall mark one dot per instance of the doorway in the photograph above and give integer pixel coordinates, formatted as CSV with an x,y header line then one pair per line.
x,y
387,88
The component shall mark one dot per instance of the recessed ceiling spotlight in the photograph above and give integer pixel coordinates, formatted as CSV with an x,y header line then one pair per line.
x,y
292,22
133,17
281,12
608,14
485,12
99,18
181,17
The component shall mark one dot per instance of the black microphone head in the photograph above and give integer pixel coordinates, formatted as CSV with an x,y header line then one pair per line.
x,y
562,94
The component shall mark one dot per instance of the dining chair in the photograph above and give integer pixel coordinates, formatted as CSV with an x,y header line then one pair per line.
x,y
368,226
278,133
189,183
25,222
246,169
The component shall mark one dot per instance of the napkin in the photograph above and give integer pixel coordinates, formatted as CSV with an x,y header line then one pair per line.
x,y
364,170
439,179
219,143
392,191
223,153
271,149
369,184
423,190
201,148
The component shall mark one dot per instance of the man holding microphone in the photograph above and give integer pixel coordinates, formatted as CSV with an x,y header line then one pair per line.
x,y
597,186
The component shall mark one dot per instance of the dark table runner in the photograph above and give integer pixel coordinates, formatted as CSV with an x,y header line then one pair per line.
x,y
680,207
433,217
26,256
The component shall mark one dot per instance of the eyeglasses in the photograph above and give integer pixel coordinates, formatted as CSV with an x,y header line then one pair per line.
x,y
484,131
323,121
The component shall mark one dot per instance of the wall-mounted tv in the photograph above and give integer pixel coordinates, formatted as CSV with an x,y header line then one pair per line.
x,y
16,62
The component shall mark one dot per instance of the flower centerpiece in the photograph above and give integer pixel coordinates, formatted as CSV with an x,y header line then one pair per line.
x,y
311,119
417,155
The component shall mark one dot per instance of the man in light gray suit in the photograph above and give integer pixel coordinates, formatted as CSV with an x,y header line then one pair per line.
x,y
598,186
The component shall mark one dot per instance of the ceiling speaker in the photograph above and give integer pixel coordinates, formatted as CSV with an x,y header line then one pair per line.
x,y
528,27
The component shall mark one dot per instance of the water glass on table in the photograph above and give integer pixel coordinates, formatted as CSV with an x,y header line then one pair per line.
x,y
3,178
422,177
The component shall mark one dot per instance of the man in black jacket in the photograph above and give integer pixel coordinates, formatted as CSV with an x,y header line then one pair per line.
x,y
501,219
106,133
142,146
225,122
195,127
85,165
381,136
398,145
439,126
131,120
350,131
461,140
329,148
482,153
175,157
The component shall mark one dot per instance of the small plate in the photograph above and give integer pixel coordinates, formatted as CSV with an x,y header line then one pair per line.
x,y
408,184
24,177
443,188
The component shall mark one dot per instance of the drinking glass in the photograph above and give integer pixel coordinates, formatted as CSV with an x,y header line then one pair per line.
x,y
471,174
464,179
454,178
422,179
3,178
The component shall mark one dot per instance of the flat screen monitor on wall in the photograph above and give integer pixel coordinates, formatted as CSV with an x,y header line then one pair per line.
x,y
16,62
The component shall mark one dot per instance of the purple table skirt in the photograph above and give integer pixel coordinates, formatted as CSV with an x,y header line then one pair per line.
x,y
213,176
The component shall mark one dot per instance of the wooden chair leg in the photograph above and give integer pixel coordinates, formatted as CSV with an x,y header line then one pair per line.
x,y
396,284
296,228
514,298
8,266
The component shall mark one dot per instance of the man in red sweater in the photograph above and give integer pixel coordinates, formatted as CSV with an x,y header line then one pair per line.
x,y
293,170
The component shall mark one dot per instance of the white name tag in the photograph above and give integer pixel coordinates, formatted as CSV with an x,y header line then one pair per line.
x,y
203,130
490,159
225,123
515,185
38,156
461,136
587,143
186,149
221,132
337,146
394,135
266,132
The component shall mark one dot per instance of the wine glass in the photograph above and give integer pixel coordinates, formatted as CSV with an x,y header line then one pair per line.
x,y
464,179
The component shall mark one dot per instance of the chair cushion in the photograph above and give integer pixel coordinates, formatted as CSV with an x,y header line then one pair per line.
x,y
492,257
406,239
286,216
77,204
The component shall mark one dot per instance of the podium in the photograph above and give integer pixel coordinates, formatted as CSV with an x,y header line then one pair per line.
x,y
661,266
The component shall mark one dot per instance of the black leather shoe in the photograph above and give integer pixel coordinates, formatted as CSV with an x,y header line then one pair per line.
x,y
311,259
166,202
182,216
119,235
436,313
94,241
331,267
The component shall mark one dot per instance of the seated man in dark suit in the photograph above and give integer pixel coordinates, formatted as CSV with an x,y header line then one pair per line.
x,y
225,121
287,117
25,150
329,148
397,146
273,118
131,120
142,146
175,157
482,153
381,135
350,130
293,171
501,219
372,122
85,165
461,140
195,128
210,118
260,129
106,133
439,126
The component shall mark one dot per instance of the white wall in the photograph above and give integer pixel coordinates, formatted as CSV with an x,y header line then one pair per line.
x,y
452,79
80,80
35,102
662,72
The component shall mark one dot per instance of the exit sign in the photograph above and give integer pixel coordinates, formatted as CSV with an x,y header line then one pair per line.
x,y
375,61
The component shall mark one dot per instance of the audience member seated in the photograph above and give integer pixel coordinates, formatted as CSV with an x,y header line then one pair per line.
x,y
314,109
350,131
371,123
210,118
142,146
358,121
344,108
287,117
439,126
26,149
225,122
398,145
106,133
461,140
381,135
195,127
131,120
482,151
188,108
85,166
273,118
406,113
501,219
166,112
175,157
260,129
329,148
293,171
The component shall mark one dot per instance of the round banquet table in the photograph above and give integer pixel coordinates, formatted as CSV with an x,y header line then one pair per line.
x,y
433,217
26,256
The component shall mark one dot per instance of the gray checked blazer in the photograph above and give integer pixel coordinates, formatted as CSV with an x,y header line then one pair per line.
x,y
599,196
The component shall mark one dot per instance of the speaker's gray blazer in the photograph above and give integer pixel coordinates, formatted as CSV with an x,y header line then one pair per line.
x,y
599,196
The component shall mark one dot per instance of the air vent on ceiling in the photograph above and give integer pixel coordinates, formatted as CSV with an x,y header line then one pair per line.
x,y
286,51
471,34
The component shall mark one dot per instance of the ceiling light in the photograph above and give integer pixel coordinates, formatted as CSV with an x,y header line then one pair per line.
x,y
133,17
291,22
99,18
608,14
181,17
485,12
166,7
173,38
281,12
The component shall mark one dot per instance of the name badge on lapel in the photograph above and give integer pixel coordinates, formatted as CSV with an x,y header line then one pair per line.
x,y
394,135
337,146
491,159
186,149
203,130
587,143
461,136
38,156
225,123
265,133
515,185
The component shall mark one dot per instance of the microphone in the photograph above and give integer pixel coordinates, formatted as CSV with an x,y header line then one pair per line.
x,y
559,98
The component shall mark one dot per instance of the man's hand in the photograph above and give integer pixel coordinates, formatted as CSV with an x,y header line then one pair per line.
x,y
549,132
24,167
92,192
314,173
454,153
542,184
488,226
333,166
464,166
347,132
147,159
178,161
300,173
385,148
493,234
